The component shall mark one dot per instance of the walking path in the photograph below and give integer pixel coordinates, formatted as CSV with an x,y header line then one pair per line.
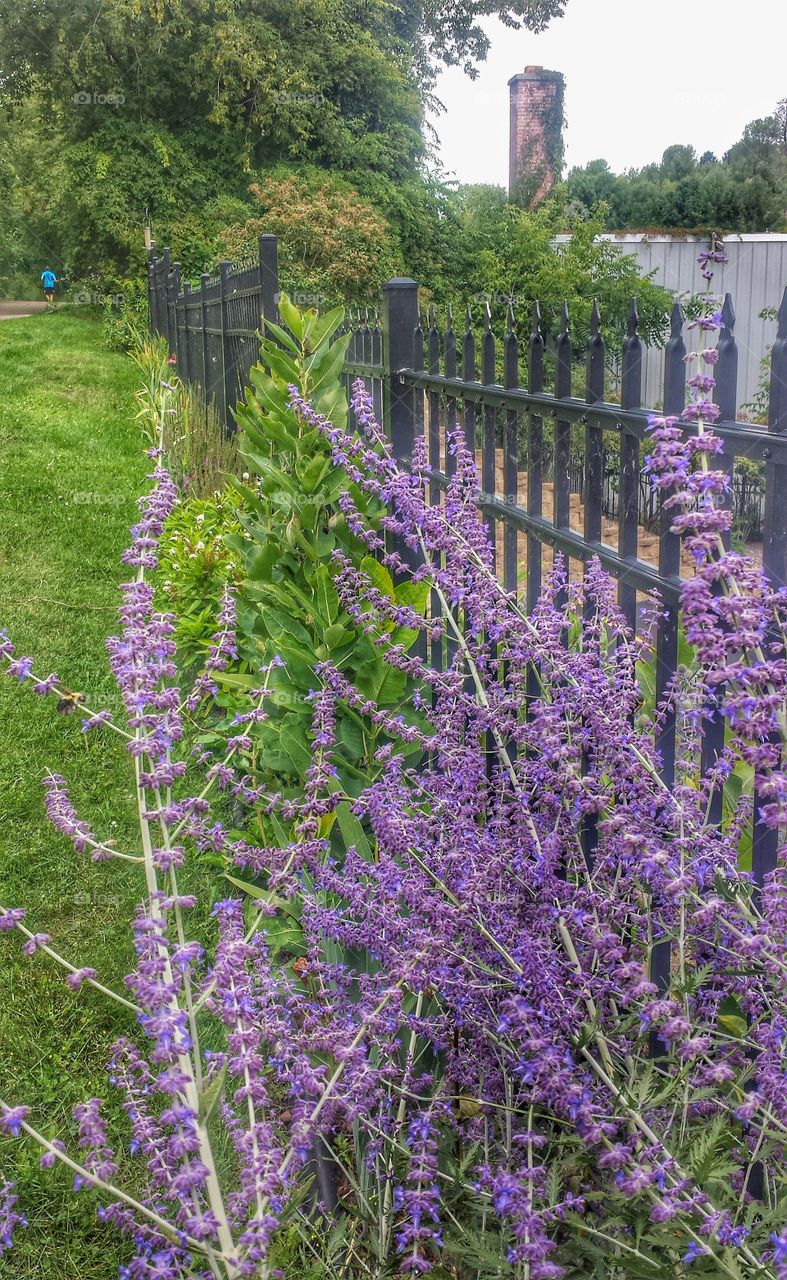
x,y
15,310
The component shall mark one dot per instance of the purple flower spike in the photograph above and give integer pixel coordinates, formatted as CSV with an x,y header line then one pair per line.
x,y
19,668
9,1218
10,917
11,1119
74,980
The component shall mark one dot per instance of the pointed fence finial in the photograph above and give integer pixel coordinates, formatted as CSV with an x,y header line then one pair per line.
x,y
510,317
728,313
450,314
676,320
564,318
725,393
631,366
488,313
595,319
536,319
468,318
777,395
632,324
674,398
432,318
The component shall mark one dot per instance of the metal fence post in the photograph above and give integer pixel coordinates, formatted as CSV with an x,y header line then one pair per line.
x,y
400,321
166,267
186,372
628,517
269,280
152,288
774,541
174,344
226,345
203,326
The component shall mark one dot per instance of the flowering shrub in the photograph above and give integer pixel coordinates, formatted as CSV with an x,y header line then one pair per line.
x,y
471,1029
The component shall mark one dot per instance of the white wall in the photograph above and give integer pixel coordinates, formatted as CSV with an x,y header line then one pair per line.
x,y
755,275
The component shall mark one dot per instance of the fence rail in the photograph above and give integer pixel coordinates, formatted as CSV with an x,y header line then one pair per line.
x,y
558,472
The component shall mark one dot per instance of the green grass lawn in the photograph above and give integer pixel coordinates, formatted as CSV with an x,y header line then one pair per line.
x,y
71,467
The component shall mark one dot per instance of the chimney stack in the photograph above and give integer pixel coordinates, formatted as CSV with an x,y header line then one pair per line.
x,y
536,133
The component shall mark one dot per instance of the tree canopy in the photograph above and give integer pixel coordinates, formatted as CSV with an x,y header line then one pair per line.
x,y
744,191
110,113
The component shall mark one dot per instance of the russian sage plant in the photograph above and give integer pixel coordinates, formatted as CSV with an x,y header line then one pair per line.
x,y
472,1031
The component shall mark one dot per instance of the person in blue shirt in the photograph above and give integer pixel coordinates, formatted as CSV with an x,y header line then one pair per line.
x,y
50,280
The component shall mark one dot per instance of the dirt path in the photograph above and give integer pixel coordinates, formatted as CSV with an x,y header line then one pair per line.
x,y
14,310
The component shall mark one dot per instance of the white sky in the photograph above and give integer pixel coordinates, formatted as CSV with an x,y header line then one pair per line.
x,y
640,75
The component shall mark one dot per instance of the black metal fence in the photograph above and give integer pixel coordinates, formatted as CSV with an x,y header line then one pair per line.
x,y
213,330
558,472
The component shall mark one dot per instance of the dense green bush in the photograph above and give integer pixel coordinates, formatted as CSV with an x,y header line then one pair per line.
x,y
271,535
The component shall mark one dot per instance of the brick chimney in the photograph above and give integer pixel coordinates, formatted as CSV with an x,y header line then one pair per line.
x,y
535,146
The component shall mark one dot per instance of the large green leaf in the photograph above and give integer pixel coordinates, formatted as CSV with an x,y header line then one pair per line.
x,y
378,576
282,366
391,688
335,636
262,563
281,626
327,596
352,831
282,336
327,363
297,664
295,741
350,735
291,316
325,326
415,595
314,472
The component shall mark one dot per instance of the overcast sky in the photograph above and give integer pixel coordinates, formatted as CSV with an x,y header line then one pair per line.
x,y
640,75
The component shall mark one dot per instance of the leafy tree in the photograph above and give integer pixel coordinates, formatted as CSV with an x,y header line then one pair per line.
x,y
677,162
333,243
745,191
517,258
112,112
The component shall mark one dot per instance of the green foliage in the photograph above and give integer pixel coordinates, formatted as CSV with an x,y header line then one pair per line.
x,y
272,534
196,565
745,191
114,114
333,244
517,260
127,317
288,604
